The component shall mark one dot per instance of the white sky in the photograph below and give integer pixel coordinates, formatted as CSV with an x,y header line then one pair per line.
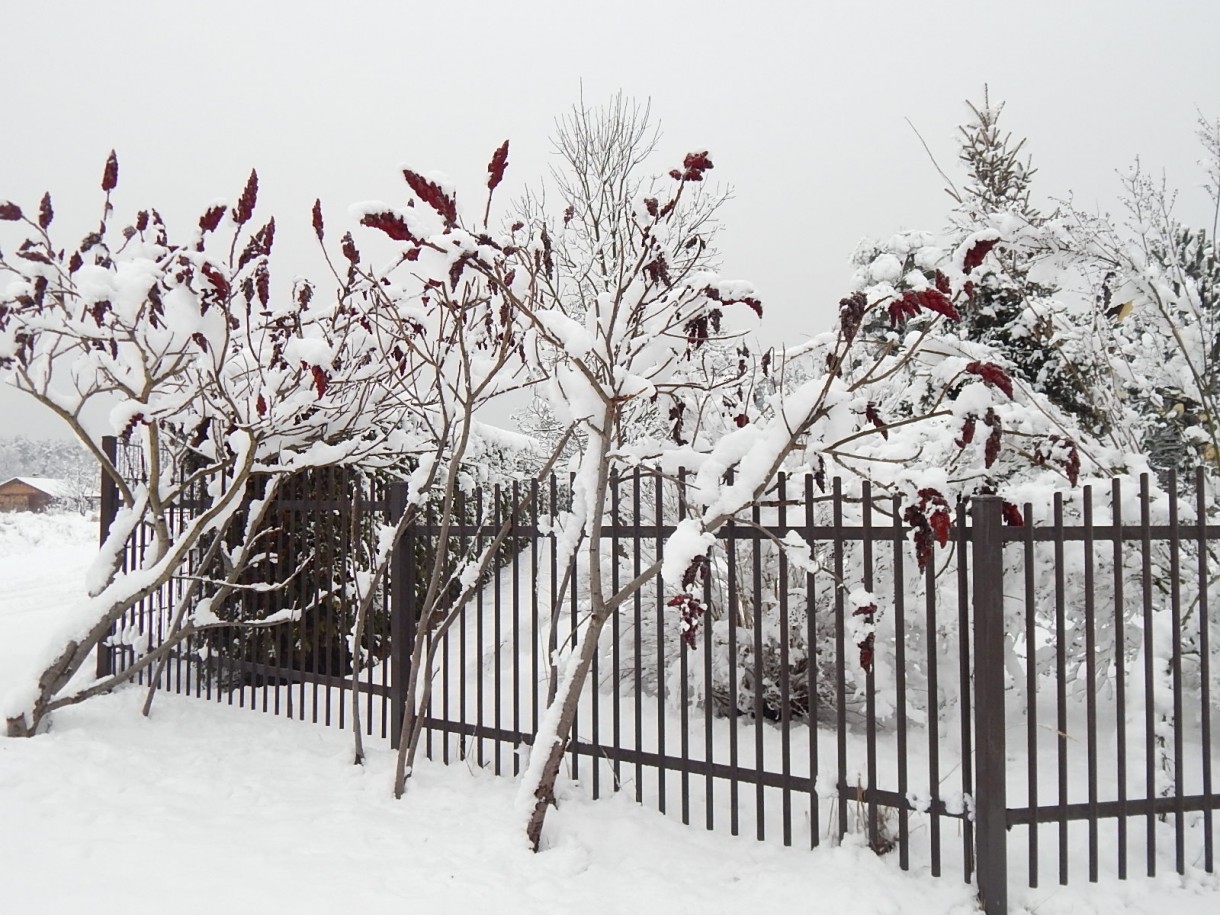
x,y
801,107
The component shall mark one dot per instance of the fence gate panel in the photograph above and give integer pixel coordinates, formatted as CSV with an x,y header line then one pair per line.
x,y
985,690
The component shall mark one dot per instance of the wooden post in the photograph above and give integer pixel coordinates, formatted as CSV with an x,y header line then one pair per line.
x,y
990,795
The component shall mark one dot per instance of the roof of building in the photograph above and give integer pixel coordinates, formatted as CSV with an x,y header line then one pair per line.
x,y
57,489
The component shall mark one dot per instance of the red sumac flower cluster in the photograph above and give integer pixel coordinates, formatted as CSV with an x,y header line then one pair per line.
x,y
110,175
991,451
931,522
968,425
867,644
1061,451
431,193
851,313
45,213
689,606
974,257
993,375
693,167
691,611
497,165
246,202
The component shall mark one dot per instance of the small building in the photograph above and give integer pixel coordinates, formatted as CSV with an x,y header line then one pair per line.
x,y
31,494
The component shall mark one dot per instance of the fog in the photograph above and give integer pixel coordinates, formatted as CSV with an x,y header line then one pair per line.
x,y
810,115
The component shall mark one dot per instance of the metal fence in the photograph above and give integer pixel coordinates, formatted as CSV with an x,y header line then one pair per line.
x,y
1054,678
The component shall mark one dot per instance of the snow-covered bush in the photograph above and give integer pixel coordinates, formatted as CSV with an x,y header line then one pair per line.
x,y
979,369
228,385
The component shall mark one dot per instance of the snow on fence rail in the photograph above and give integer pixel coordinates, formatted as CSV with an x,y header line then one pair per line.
x,y
1055,678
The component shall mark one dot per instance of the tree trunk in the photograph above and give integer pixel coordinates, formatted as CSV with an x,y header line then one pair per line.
x,y
569,696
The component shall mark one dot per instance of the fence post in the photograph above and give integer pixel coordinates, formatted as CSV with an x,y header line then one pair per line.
x,y
401,566
108,507
990,794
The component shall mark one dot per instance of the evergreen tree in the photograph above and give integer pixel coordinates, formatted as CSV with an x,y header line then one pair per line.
x,y
1008,307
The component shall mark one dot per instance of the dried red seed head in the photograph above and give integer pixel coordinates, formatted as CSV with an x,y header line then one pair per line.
x,y
993,375
391,224
45,213
978,251
246,203
317,218
432,194
110,175
495,168
209,220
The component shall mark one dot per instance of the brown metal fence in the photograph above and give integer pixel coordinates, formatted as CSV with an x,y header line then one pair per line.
x,y
1052,678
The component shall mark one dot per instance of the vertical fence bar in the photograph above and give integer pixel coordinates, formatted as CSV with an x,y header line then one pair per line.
x,y
266,637
1031,688
1179,722
314,630
811,671
574,645
536,541
870,675
990,803
637,660
1149,660
659,512
401,569
900,673
594,670
933,716
684,676
616,632
480,637
1090,665
552,639
431,543
302,642
331,626
963,670
756,599
497,629
841,786
108,509
731,553
1120,673
1201,506
785,634
182,669
516,598
463,509
268,653
709,782
342,627
381,492
1061,726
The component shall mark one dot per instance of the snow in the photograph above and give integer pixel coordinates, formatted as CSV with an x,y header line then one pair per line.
x,y
312,350
575,339
207,807
686,542
886,269
43,561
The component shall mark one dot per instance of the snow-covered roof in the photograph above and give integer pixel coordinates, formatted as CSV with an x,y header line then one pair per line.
x,y
59,489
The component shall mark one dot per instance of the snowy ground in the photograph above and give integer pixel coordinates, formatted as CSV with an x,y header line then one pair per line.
x,y
207,808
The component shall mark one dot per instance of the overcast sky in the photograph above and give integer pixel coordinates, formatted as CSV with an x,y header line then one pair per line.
x,y
802,106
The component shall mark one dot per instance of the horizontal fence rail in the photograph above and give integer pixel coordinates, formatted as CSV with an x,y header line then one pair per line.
x,y
1054,679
